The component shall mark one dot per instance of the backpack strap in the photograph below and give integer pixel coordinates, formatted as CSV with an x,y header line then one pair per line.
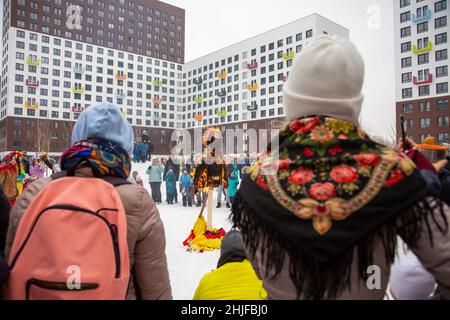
x,y
115,181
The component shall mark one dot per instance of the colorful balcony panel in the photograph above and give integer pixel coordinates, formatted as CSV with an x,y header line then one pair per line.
x,y
77,89
31,83
120,95
198,117
222,113
33,62
221,93
284,78
78,69
199,99
252,66
428,48
156,100
288,56
222,74
418,83
33,106
157,83
121,76
252,107
253,86
425,17
198,81
77,109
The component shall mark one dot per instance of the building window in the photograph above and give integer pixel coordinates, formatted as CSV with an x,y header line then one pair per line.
x,y
406,47
404,3
442,121
441,71
408,108
441,55
423,58
424,90
443,138
424,122
407,93
406,77
405,32
405,16
440,22
406,62
309,34
441,38
422,27
442,105
440,6
442,88
424,106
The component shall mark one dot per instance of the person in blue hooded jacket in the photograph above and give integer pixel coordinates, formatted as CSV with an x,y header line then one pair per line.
x,y
171,186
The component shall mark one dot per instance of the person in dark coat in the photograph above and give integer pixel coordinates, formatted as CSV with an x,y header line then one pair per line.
x,y
176,171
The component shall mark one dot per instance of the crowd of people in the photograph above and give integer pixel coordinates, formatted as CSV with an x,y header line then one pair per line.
x,y
314,229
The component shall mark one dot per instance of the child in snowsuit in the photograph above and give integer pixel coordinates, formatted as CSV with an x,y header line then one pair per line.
x,y
186,188
170,186
233,183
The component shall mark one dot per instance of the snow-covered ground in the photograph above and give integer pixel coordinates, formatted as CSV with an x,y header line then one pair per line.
x,y
185,268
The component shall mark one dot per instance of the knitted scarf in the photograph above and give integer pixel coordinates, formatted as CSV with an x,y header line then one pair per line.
x,y
104,157
333,192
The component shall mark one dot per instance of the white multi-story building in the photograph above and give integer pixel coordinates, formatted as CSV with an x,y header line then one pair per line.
x,y
50,77
421,55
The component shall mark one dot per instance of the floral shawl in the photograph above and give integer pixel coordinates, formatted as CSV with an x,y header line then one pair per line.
x,y
331,190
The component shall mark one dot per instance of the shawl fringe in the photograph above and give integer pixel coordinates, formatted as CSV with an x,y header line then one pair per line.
x,y
318,280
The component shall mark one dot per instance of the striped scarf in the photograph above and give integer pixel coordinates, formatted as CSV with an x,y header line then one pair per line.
x,y
104,157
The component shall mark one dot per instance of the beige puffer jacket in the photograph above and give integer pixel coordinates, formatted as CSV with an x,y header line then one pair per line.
x,y
145,232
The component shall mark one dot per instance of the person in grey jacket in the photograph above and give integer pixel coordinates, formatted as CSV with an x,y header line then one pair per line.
x,y
155,171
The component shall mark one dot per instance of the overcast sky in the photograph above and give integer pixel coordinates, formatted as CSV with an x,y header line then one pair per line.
x,y
215,24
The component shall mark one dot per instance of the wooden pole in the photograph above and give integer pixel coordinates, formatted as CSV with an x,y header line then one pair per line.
x,y
210,207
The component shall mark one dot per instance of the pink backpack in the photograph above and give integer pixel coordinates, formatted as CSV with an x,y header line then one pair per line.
x,y
71,243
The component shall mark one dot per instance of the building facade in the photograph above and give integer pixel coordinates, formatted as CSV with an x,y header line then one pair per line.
x,y
59,58
421,55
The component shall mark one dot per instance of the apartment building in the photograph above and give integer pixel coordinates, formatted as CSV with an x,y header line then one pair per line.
x,y
131,53
421,54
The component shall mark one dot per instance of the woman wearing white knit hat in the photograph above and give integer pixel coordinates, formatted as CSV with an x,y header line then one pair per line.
x,y
325,226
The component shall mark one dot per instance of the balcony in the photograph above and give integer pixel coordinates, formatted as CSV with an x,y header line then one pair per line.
x,y
199,99
428,48
419,83
78,69
32,83
77,109
288,56
221,93
424,17
253,65
222,74
252,107
32,106
222,113
76,89
33,62
157,83
198,81
157,100
253,87
121,76
284,78
198,117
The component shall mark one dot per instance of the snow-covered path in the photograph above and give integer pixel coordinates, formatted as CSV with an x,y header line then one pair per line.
x,y
185,268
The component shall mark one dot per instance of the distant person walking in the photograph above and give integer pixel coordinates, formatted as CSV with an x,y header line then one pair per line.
x,y
155,171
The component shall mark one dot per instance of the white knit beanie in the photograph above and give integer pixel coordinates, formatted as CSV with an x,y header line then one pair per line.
x,y
326,79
